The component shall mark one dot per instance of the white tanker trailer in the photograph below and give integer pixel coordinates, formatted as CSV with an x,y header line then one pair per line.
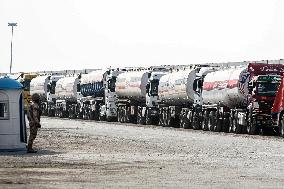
x,y
92,91
67,92
232,100
177,96
131,92
137,93
175,92
99,95
44,86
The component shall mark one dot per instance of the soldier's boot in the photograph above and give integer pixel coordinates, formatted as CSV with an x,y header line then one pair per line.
x,y
30,149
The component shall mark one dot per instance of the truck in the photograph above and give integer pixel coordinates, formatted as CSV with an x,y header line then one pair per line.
x,y
148,112
99,95
277,111
67,93
137,94
177,96
44,85
239,99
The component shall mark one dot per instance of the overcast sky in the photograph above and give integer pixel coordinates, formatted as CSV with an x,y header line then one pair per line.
x,y
78,34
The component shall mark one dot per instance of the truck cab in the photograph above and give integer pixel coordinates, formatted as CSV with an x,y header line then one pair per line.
x,y
149,113
262,92
278,109
50,96
108,109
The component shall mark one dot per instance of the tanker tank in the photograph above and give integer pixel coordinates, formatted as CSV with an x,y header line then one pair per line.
x,y
227,87
176,88
39,85
67,88
132,85
92,84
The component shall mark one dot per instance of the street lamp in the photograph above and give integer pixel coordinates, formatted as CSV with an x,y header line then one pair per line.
x,y
12,25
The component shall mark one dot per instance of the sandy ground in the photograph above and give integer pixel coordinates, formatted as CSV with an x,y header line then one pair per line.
x,y
85,154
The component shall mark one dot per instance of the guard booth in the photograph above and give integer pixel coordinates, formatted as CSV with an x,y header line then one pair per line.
x,y
13,135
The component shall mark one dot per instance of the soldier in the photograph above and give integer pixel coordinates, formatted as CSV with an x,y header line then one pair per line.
x,y
34,114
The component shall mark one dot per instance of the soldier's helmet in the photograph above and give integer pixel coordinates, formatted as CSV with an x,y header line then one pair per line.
x,y
35,97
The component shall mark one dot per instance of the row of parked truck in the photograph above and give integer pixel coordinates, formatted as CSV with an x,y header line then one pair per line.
x,y
244,98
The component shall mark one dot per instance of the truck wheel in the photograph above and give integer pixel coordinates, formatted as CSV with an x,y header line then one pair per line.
x,y
121,115
251,128
281,126
231,128
175,122
148,120
167,120
70,115
142,121
205,121
219,124
226,122
184,122
102,118
161,121
212,120
237,127
195,121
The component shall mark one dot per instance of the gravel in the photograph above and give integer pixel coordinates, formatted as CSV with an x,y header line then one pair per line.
x,y
87,154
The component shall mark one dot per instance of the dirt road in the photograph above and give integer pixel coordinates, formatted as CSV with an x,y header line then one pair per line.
x,y
84,154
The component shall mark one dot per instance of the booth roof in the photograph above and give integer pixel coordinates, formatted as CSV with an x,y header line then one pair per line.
x,y
8,83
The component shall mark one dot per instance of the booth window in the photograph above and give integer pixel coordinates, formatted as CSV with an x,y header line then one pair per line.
x,y
4,110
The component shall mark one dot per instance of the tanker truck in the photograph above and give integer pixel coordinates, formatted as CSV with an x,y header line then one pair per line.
x,y
177,96
148,112
91,87
45,87
131,93
137,95
67,93
239,99
98,95
277,112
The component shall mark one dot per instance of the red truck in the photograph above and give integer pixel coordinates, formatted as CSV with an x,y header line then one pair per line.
x,y
278,109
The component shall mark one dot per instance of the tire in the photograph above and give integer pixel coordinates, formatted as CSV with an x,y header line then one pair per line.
x,y
195,121
281,126
212,120
237,127
161,121
219,124
252,127
204,125
167,120
226,123
184,122
175,122
231,128
148,120
102,118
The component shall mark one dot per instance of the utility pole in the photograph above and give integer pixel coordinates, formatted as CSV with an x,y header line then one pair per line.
x,y
12,25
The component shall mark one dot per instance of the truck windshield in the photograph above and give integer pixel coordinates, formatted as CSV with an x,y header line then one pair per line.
x,y
154,87
267,89
111,84
52,87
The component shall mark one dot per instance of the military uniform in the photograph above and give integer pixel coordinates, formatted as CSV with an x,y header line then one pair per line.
x,y
34,114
